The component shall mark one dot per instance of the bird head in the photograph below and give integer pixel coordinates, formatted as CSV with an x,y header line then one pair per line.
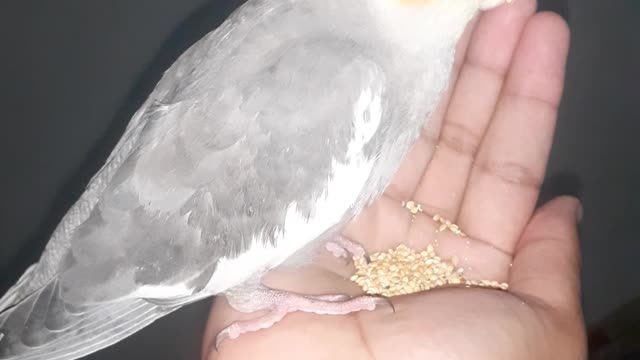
x,y
422,24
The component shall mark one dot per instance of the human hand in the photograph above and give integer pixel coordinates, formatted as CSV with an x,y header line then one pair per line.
x,y
497,125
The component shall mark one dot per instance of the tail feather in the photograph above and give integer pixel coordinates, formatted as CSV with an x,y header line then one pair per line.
x,y
43,327
13,295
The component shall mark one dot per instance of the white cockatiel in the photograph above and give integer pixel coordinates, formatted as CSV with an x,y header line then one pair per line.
x,y
264,138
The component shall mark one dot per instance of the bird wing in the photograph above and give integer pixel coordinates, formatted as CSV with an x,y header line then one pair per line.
x,y
218,171
53,330
225,151
216,46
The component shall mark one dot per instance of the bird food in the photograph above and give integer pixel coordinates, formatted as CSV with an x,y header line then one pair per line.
x,y
402,271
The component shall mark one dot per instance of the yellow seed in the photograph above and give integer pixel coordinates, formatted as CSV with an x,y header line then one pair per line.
x,y
403,271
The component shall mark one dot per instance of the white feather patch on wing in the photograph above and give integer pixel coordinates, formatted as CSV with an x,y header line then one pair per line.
x,y
343,188
163,291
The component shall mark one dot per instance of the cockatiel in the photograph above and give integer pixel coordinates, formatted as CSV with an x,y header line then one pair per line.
x,y
264,138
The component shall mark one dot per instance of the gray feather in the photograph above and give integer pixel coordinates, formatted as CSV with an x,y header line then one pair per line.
x,y
178,203
43,327
228,35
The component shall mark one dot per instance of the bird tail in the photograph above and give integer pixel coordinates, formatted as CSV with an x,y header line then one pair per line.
x,y
43,326
14,294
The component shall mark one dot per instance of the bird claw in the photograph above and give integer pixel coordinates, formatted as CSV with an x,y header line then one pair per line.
x,y
280,303
342,247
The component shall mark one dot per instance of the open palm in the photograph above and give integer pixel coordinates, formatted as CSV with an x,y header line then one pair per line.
x,y
497,123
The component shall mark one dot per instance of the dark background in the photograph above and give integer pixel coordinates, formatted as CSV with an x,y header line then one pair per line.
x,y
72,73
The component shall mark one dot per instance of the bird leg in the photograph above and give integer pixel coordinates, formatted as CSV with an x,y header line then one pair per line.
x,y
280,303
343,247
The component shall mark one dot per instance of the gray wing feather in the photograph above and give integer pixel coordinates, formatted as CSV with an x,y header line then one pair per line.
x,y
227,36
215,171
43,327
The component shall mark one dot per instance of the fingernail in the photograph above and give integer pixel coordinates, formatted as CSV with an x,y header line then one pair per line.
x,y
559,184
579,212
560,7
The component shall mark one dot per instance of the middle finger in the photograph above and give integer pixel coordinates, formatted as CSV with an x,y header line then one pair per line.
x,y
481,78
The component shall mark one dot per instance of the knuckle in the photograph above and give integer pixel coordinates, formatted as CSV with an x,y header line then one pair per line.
x,y
460,139
512,173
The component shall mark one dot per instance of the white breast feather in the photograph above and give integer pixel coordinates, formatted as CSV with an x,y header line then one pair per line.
x,y
343,188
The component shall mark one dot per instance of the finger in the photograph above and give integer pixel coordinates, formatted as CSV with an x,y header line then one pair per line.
x,y
391,221
472,104
412,167
510,164
546,265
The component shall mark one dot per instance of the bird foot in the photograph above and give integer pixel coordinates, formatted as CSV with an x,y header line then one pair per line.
x,y
280,303
342,247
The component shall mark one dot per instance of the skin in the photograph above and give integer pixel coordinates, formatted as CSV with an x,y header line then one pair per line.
x,y
498,121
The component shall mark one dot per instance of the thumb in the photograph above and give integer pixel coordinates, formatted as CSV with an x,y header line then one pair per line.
x,y
546,263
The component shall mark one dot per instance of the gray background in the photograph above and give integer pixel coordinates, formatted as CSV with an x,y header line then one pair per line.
x,y
72,72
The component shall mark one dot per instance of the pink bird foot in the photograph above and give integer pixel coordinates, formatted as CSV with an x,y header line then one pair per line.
x,y
280,303
342,247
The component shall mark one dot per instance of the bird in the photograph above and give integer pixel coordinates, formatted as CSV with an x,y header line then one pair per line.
x,y
263,139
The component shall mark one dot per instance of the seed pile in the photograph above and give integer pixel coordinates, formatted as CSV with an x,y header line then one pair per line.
x,y
402,271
